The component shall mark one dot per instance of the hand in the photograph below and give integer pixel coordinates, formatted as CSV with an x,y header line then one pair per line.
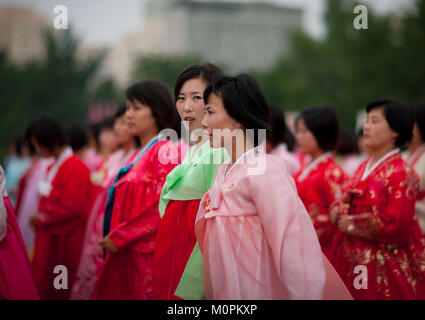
x,y
334,214
108,245
313,211
345,224
33,221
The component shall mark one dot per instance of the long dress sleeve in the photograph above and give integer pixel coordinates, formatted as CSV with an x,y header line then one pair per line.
x,y
394,220
289,232
69,200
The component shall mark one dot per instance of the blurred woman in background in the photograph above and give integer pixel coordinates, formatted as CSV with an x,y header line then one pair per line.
x,y
63,210
377,229
280,140
320,182
415,156
92,256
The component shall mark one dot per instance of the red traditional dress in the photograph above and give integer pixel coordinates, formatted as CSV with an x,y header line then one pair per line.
x,y
63,211
383,235
16,281
127,274
318,185
178,206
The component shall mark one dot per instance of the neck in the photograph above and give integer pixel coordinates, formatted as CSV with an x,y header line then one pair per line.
x,y
414,145
238,149
375,156
316,155
128,146
144,140
57,152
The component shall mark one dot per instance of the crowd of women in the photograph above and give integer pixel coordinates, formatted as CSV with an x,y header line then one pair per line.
x,y
232,207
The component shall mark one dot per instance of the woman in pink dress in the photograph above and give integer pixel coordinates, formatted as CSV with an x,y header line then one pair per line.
x,y
255,235
92,256
16,282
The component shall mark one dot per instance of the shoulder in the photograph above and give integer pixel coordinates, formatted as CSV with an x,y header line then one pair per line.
x,y
333,170
75,163
265,167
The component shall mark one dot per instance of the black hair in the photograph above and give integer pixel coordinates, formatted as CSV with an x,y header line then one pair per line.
x,y
18,142
322,121
243,100
107,124
398,116
207,72
157,97
347,142
120,112
77,137
47,132
279,131
94,130
418,113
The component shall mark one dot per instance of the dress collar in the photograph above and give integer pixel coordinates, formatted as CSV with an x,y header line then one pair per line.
x,y
369,170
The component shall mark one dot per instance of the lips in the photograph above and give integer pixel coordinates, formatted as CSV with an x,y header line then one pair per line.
x,y
190,119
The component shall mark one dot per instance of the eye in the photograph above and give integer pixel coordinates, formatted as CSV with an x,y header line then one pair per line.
x,y
180,98
197,98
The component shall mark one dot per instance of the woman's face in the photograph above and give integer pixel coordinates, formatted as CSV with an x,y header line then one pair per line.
x,y
306,141
377,132
122,131
219,125
140,119
108,141
190,103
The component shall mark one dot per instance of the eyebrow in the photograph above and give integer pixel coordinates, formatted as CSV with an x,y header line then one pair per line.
x,y
192,93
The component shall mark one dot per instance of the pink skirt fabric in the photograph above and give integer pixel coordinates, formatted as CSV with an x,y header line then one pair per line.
x,y
16,281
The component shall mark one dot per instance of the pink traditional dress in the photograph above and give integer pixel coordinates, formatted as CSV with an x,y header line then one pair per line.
x,y
92,256
131,221
281,152
29,198
16,282
257,239
383,236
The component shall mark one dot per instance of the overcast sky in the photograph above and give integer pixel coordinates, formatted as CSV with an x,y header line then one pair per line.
x,y
104,22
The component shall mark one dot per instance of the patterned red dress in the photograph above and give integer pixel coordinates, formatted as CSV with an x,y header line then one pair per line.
x,y
384,235
318,185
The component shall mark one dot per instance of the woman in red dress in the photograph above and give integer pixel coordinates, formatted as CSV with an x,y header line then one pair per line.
x,y
320,182
185,185
63,210
379,250
131,216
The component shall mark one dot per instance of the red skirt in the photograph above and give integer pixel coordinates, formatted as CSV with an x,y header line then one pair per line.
x,y
174,244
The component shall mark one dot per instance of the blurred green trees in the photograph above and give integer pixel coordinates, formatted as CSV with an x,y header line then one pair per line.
x,y
346,68
59,86
349,67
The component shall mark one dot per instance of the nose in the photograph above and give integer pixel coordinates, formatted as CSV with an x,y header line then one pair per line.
x,y
128,114
187,106
204,122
